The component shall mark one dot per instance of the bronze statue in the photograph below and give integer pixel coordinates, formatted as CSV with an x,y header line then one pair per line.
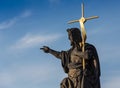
x,y
71,61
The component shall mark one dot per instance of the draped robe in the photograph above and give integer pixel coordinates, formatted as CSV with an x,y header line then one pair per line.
x,y
91,72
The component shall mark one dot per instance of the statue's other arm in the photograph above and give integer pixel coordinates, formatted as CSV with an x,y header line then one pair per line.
x,y
46,49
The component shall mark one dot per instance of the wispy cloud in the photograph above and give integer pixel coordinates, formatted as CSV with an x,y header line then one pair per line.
x,y
12,21
8,23
30,40
26,13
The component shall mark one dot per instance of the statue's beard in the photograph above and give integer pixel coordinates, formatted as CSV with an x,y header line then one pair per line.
x,y
74,43
71,44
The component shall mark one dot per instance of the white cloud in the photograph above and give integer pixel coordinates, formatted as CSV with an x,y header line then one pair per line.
x,y
6,79
25,75
12,21
33,73
30,40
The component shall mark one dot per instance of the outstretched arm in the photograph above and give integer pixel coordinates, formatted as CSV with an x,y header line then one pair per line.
x,y
46,49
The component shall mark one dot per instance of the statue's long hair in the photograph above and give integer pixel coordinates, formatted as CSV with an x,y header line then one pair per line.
x,y
75,35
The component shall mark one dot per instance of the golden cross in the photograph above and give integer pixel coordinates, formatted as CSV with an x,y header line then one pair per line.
x,y
82,20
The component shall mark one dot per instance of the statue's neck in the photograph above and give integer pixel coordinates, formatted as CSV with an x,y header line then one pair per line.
x,y
78,46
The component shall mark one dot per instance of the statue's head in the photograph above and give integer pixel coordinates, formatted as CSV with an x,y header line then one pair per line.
x,y
74,36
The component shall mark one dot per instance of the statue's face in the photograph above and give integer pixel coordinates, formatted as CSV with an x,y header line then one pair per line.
x,y
70,37
74,36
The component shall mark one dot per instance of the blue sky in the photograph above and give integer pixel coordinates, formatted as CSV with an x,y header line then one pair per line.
x,y
27,25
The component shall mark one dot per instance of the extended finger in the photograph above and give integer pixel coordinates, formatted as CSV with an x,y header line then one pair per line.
x,y
41,48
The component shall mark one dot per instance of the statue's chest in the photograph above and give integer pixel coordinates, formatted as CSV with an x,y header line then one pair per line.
x,y
74,57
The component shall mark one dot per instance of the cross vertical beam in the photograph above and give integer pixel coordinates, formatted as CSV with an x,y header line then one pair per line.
x,y
82,10
82,20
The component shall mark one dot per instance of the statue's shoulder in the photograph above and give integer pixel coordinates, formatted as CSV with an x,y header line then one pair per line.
x,y
66,51
88,45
